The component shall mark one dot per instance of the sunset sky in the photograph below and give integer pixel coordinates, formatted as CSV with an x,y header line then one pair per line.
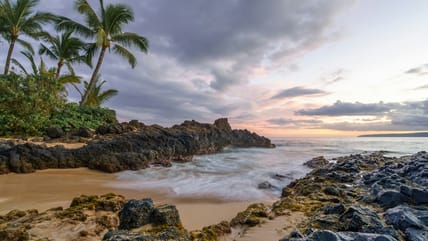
x,y
278,67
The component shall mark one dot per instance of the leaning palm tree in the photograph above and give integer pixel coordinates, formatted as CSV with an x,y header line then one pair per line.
x,y
65,49
106,28
96,96
17,19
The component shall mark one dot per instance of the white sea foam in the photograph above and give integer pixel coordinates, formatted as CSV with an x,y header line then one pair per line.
x,y
236,173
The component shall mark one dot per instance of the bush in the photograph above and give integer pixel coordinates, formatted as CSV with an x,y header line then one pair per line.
x,y
30,104
73,116
26,103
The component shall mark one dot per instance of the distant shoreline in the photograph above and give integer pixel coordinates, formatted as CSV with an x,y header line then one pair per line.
x,y
414,134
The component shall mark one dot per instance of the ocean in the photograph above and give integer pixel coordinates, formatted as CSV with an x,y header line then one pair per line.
x,y
236,173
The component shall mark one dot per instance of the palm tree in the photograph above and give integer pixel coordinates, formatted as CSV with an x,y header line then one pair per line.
x,y
46,77
19,18
106,29
96,97
65,49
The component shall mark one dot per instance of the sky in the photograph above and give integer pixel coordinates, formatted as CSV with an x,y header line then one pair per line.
x,y
277,67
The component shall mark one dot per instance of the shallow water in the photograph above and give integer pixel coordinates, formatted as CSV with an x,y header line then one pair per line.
x,y
234,175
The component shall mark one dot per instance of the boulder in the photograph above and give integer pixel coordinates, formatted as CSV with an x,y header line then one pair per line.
x,y
267,185
390,198
86,132
415,195
416,234
403,217
317,162
334,209
332,190
166,215
251,216
54,132
358,219
136,213
325,236
123,235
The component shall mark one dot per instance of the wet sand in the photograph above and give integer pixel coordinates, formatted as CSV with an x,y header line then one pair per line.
x,y
57,187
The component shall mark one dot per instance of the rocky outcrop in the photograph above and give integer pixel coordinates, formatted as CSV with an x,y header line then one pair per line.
x,y
94,218
362,197
144,146
317,162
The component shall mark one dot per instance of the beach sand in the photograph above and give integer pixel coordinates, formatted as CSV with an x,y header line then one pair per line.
x,y
51,188
46,189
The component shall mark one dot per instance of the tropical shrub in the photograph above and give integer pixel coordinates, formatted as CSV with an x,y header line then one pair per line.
x,y
26,104
73,116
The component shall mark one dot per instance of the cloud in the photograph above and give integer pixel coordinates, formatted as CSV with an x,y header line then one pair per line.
x,y
407,116
335,76
284,122
298,91
421,87
420,70
203,53
350,109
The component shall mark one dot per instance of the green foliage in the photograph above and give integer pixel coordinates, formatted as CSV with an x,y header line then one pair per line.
x,y
75,116
26,104
97,96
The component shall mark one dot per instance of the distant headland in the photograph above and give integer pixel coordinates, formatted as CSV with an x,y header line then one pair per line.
x,y
414,134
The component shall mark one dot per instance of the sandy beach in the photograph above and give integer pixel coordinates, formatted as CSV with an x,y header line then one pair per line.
x,y
52,188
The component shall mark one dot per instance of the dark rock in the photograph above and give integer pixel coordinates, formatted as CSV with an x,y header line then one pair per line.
x,y
296,234
136,213
136,124
390,198
325,236
172,233
166,215
223,124
14,234
86,132
332,190
317,162
267,185
416,234
251,216
123,235
403,217
54,132
244,138
334,209
131,150
345,236
358,218
415,195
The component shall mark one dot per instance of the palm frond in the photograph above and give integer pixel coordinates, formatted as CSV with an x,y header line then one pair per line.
x,y
131,39
120,50
19,65
69,79
48,52
65,23
115,16
91,17
27,46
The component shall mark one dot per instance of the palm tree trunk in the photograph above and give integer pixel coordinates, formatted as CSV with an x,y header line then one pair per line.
x,y
92,83
9,55
58,70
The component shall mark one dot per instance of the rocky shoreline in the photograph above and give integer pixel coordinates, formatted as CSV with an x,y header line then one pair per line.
x,y
367,197
128,146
